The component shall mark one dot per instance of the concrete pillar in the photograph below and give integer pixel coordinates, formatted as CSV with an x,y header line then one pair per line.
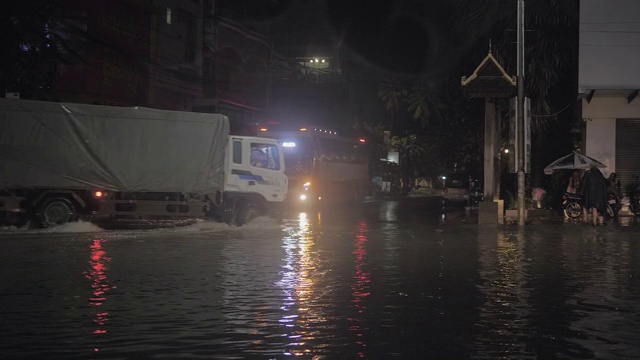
x,y
497,153
490,145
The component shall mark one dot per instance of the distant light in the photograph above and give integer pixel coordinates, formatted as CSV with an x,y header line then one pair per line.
x,y
303,197
316,60
303,129
506,151
311,60
322,60
362,140
288,144
98,194
263,129
308,183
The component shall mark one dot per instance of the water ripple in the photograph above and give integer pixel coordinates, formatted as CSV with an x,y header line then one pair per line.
x,y
322,286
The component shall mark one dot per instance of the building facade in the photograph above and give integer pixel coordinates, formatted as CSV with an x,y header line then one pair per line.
x,y
165,54
609,79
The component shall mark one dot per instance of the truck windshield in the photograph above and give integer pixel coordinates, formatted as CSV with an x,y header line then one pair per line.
x,y
298,156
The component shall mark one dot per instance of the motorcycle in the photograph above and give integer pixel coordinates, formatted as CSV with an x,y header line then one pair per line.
x,y
572,205
613,205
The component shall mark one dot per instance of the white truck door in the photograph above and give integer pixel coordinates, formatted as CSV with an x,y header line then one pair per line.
x,y
256,165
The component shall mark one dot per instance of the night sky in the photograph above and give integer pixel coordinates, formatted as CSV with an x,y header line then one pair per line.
x,y
397,36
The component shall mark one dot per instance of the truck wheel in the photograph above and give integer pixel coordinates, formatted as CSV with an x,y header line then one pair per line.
x,y
56,211
248,212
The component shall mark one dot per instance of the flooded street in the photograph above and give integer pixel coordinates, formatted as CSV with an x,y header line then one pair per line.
x,y
394,279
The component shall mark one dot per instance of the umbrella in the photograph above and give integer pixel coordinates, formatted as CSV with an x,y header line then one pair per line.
x,y
573,161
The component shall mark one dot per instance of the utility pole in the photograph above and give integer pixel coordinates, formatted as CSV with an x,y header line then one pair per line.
x,y
520,114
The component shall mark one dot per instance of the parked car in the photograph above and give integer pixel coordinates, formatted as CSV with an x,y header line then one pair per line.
x,y
461,188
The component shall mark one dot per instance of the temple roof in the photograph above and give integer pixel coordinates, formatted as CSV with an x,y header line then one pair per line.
x,y
489,80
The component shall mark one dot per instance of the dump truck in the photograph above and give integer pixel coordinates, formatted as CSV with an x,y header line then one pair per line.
x,y
64,162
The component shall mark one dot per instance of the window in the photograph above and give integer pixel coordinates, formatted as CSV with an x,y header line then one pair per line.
x,y
237,152
265,156
169,16
342,151
298,155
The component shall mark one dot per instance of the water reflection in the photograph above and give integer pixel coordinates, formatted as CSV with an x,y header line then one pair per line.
x,y
298,316
98,275
554,294
360,290
504,313
606,294
389,212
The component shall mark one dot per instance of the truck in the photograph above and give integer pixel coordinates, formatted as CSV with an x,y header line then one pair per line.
x,y
324,168
122,166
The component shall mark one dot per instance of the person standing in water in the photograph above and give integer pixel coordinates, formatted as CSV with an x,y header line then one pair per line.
x,y
575,183
594,195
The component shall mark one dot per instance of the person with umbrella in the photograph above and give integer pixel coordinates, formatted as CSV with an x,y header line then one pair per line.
x,y
575,183
594,195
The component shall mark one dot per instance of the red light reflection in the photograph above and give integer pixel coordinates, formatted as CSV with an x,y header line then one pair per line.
x,y
360,287
97,274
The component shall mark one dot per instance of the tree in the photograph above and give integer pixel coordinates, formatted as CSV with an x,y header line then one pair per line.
x,y
418,106
551,53
410,149
31,48
391,93
423,105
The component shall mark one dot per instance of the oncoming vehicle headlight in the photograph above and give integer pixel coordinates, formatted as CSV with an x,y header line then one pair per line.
x,y
303,197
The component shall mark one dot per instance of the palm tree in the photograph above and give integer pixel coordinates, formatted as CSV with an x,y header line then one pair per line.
x,y
391,93
424,105
418,104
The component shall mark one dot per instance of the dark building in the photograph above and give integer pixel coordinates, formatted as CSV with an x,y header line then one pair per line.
x,y
174,55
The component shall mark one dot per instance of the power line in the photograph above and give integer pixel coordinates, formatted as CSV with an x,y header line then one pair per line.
x,y
554,114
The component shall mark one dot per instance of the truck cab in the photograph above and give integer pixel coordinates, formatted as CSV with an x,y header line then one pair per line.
x,y
255,181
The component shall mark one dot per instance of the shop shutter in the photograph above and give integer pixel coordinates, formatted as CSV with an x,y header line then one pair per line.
x,y
627,150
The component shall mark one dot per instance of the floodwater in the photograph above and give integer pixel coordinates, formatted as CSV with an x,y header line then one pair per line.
x,y
391,280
